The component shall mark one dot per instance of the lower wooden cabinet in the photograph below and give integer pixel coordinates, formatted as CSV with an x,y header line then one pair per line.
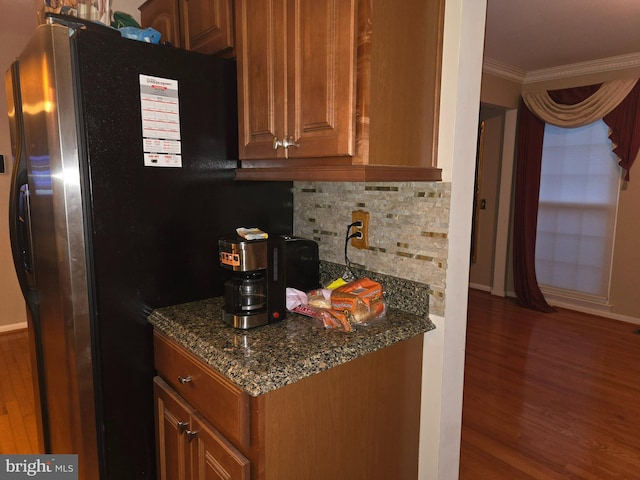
x,y
188,447
359,420
172,419
213,456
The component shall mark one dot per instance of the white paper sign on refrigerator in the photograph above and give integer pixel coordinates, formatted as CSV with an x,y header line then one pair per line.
x,y
160,107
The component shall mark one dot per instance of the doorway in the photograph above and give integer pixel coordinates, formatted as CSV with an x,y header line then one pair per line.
x,y
491,270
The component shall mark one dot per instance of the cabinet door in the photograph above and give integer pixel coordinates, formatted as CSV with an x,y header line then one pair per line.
x,y
213,456
261,27
173,418
296,72
163,16
321,73
207,25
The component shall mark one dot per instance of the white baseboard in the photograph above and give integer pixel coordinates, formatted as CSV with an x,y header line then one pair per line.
x,y
489,289
477,286
13,327
595,311
571,306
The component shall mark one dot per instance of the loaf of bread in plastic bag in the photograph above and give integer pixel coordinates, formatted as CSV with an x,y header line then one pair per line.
x,y
361,300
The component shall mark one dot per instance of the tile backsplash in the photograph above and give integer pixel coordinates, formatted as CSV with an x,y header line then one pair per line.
x,y
408,228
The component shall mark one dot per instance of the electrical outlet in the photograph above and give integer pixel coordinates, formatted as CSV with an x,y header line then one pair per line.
x,y
363,216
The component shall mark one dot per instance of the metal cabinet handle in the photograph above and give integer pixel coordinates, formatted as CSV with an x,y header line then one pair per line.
x,y
286,142
191,434
289,142
184,380
182,426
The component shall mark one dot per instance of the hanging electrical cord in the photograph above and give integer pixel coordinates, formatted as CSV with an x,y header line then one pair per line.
x,y
348,274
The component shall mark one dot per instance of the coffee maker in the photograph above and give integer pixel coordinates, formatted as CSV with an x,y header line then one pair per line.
x,y
254,292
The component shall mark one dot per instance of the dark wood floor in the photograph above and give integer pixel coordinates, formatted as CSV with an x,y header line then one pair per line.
x,y
17,418
549,396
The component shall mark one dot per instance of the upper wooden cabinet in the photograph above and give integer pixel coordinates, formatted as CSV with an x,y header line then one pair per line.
x,y
353,86
296,82
204,26
163,16
207,25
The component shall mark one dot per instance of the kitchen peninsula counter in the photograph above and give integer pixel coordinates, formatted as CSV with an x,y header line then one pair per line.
x,y
266,358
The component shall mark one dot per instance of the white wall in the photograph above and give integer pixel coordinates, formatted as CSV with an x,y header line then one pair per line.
x,y
443,362
12,307
127,6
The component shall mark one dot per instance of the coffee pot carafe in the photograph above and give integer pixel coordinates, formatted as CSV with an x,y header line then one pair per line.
x,y
254,292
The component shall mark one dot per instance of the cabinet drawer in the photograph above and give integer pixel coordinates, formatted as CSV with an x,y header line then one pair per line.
x,y
223,404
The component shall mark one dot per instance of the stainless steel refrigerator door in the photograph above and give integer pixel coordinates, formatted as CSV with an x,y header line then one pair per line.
x,y
59,244
21,246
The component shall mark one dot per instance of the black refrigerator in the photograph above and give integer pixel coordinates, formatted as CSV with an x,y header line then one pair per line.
x,y
124,158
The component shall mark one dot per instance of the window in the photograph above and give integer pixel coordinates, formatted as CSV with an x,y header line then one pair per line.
x,y
579,187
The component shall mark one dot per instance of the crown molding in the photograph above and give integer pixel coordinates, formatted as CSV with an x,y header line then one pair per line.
x,y
610,64
503,70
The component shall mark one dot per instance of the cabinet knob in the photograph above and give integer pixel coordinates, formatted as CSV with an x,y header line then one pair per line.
x,y
191,434
184,380
182,426
276,143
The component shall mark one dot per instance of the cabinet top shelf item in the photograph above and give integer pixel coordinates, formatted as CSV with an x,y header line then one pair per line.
x,y
269,357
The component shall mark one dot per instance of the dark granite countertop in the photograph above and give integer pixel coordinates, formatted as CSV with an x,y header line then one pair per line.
x,y
269,357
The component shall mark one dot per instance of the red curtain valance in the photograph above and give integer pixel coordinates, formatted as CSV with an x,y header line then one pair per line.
x,y
624,122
